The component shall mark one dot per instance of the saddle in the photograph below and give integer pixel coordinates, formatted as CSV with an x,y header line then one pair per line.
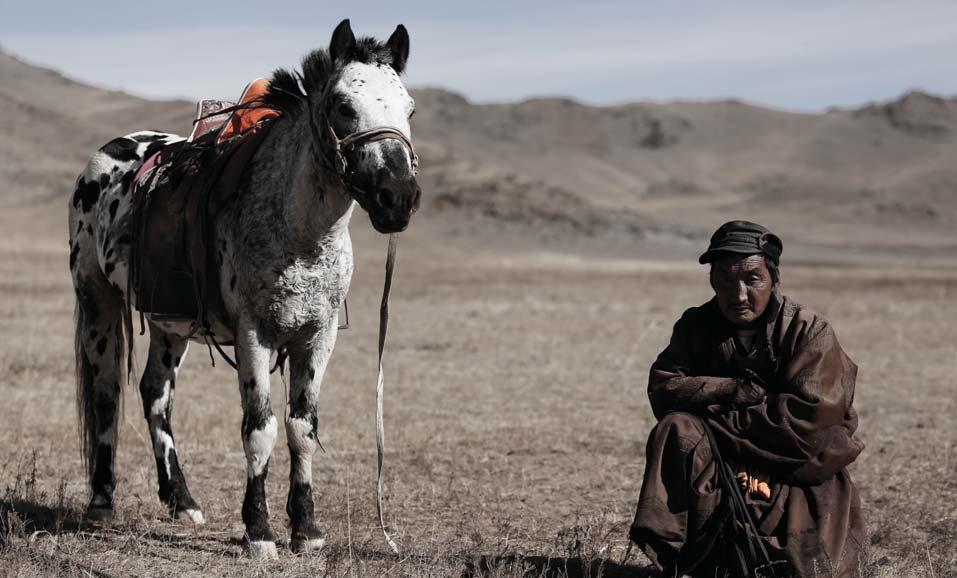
x,y
177,194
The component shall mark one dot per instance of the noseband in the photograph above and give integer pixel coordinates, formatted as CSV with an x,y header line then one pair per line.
x,y
366,136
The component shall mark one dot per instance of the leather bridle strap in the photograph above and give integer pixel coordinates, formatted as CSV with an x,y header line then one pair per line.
x,y
380,386
371,135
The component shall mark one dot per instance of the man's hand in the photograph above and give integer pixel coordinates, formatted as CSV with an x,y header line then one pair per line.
x,y
755,484
749,390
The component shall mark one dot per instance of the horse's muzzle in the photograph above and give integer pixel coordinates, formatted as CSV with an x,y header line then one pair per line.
x,y
391,202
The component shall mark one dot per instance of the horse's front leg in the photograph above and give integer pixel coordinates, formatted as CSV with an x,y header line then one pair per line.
x,y
307,365
259,438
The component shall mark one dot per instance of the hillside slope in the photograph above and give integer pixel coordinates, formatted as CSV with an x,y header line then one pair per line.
x,y
880,178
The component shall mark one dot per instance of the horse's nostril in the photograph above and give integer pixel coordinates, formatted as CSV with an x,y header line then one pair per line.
x,y
386,198
417,197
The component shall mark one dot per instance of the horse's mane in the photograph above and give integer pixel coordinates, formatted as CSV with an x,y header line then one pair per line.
x,y
318,70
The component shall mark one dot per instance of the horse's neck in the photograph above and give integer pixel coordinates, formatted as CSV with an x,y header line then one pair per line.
x,y
316,207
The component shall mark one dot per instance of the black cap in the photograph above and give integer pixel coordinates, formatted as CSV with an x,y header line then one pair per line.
x,y
744,238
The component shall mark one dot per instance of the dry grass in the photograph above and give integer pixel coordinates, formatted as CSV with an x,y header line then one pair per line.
x,y
516,420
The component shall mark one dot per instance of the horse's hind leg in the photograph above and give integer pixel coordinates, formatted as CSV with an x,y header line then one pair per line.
x,y
100,357
157,388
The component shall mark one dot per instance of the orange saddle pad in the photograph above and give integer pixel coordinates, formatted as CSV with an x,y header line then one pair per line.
x,y
244,119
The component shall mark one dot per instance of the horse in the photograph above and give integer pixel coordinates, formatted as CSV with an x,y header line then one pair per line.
x,y
284,267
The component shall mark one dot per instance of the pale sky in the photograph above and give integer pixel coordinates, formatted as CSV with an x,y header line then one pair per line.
x,y
803,55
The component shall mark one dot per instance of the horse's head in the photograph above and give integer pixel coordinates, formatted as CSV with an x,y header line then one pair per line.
x,y
368,109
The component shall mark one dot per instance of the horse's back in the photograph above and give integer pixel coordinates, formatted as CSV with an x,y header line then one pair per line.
x,y
100,207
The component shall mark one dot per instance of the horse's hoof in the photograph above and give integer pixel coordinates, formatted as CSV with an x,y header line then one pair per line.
x,y
99,510
194,516
306,545
99,514
261,550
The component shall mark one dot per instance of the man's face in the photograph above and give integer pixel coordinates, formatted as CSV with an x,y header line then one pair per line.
x,y
743,287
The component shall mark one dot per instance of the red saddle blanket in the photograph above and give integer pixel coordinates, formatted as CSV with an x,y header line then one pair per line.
x,y
176,197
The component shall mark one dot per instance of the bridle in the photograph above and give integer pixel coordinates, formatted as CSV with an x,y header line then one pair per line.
x,y
352,140
325,137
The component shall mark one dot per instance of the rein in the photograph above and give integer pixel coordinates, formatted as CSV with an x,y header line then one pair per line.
x,y
380,386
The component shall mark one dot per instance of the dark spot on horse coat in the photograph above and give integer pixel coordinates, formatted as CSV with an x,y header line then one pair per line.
x,y
109,268
105,408
87,303
124,239
300,506
300,408
232,283
125,182
96,369
74,252
113,206
101,346
167,359
94,333
255,418
121,149
86,195
166,342
79,228
312,373
148,137
255,512
153,149
109,253
102,482
89,229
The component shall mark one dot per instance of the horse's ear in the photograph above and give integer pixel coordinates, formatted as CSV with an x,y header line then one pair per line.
x,y
399,47
343,41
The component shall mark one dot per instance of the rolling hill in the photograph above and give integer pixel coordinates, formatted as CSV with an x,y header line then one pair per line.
x,y
881,178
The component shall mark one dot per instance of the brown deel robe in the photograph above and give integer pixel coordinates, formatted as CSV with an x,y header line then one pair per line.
x,y
797,427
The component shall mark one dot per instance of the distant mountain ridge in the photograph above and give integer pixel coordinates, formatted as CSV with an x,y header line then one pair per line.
x,y
880,177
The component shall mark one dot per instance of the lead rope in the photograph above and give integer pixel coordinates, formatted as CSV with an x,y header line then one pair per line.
x,y
380,383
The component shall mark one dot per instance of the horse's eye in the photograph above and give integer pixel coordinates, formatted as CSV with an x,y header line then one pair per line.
x,y
411,114
346,111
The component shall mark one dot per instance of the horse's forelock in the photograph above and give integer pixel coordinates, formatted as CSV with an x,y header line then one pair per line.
x,y
318,70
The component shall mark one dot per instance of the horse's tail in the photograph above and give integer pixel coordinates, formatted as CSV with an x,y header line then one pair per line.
x,y
86,395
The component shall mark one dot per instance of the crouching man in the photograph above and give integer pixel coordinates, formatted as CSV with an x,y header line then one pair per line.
x,y
769,379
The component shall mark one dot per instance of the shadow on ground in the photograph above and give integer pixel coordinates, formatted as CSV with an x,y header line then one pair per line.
x,y
33,517
555,567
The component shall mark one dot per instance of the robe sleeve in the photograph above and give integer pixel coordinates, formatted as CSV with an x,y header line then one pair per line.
x,y
672,385
805,427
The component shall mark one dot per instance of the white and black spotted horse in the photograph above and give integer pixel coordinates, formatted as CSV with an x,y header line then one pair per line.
x,y
285,263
